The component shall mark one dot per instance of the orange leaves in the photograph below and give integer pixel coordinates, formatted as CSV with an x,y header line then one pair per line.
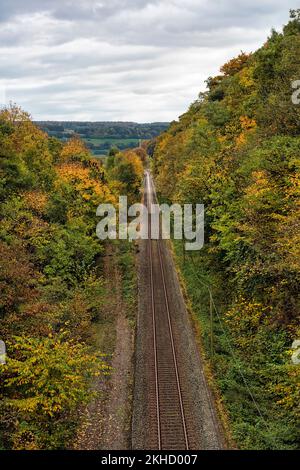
x,y
141,153
35,201
235,65
248,125
241,140
72,172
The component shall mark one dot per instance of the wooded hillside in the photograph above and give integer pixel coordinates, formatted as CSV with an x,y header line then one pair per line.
x,y
237,150
53,289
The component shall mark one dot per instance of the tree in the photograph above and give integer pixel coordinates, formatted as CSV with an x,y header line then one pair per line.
x,y
43,381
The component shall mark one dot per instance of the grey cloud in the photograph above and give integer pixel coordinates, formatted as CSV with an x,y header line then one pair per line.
x,y
123,59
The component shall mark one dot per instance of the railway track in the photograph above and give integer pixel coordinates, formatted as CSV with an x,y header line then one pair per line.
x,y
167,401
173,407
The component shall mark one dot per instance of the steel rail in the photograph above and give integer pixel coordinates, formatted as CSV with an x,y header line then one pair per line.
x,y
170,329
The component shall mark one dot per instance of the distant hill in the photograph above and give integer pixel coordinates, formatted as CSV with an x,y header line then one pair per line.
x,y
101,136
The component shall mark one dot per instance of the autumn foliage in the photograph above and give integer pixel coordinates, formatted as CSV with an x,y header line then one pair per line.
x,y
52,288
237,150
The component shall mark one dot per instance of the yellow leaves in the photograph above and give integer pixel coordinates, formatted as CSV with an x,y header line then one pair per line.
x,y
125,172
245,318
260,185
36,201
287,391
26,137
24,440
136,162
163,142
247,123
46,376
73,172
241,140
90,188
221,138
27,405
246,77
116,187
73,150
248,126
202,121
169,160
288,240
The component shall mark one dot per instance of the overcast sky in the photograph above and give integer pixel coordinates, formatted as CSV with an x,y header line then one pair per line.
x,y
127,60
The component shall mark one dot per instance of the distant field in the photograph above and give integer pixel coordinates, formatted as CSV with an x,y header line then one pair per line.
x,y
100,137
111,141
101,145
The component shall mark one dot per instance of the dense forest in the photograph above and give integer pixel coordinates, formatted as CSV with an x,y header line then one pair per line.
x,y
54,293
237,150
100,137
